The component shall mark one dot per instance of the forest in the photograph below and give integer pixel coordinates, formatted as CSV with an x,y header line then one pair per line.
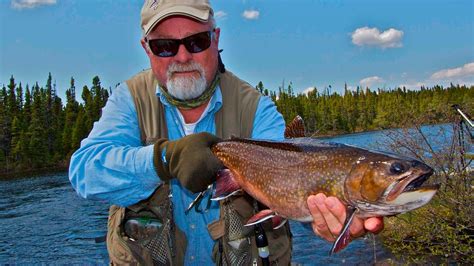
x,y
39,131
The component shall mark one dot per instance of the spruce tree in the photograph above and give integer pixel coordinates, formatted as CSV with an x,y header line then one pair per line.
x,y
48,115
26,108
3,138
38,155
80,129
15,144
71,112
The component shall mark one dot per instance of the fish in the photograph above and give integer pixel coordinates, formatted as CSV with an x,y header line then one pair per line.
x,y
283,174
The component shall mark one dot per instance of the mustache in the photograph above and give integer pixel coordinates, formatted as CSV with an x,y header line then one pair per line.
x,y
177,67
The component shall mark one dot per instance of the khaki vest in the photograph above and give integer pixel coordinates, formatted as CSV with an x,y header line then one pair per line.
x,y
235,118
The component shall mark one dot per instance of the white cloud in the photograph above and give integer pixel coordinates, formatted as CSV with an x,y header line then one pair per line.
x,y
370,81
308,90
220,14
413,85
251,14
459,72
390,38
21,4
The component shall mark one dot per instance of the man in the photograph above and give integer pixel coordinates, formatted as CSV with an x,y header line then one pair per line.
x,y
149,154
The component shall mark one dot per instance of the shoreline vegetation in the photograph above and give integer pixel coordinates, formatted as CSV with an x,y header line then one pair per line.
x,y
38,131
38,134
443,231
26,173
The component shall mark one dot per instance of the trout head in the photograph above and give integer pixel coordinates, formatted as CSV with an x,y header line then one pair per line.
x,y
385,185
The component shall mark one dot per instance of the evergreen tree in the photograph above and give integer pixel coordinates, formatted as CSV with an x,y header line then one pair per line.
x,y
3,129
10,112
15,144
48,115
259,87
12,105
88,107
71,112
80,129
38,153
26,108
19,97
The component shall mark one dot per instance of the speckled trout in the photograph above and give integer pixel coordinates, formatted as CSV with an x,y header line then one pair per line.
x,y
282,175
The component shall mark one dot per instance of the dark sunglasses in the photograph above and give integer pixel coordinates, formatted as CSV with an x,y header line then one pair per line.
x,y
169,47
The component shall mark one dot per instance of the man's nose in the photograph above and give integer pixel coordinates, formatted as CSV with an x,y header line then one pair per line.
x,y
183,54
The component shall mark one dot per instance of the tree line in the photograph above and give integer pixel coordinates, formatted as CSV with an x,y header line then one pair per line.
x,y
365,109
38,131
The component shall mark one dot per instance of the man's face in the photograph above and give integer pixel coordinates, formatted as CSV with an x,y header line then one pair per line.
x,y
185,75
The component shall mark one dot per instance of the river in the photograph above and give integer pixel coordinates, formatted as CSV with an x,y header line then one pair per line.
x,y
42,220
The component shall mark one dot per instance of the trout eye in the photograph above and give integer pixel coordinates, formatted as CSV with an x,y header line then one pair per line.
x,y
397,168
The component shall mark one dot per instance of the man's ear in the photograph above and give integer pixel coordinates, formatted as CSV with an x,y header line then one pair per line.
x,y
145,46
217,34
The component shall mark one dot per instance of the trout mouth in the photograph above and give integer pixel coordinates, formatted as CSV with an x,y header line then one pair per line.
x,y
417,183
409,183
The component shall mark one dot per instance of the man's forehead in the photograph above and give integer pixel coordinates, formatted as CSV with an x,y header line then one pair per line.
x,y
178,27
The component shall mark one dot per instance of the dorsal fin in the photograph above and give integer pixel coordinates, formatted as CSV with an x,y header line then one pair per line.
x,y
295,129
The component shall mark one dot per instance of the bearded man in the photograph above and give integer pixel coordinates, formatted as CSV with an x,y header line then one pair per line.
x,y
149,154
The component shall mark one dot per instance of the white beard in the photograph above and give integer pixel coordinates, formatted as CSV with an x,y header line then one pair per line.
x,y
186,88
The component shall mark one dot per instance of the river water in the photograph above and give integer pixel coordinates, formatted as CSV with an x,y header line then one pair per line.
x,y
42,220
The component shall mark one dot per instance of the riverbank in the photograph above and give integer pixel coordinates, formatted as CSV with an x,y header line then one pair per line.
x,y
18,174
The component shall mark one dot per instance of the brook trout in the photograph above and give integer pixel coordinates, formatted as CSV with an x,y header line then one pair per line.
x,y
282,175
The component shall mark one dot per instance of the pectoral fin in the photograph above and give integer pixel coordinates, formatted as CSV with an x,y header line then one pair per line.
x,y
261,216
344,237
278,222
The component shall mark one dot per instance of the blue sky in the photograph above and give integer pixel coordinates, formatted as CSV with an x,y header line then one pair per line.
x,y
376,43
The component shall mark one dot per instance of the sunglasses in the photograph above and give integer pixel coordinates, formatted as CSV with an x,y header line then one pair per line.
x,y
169,47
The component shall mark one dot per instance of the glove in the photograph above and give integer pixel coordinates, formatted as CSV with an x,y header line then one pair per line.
x,y
189,159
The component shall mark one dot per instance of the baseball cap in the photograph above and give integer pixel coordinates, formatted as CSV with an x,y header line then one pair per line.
x,y
153,11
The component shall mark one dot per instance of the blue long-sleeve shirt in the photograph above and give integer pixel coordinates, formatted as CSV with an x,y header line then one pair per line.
x,y
112,164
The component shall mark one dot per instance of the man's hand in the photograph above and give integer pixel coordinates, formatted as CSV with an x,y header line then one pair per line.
x,y
189,159
329,214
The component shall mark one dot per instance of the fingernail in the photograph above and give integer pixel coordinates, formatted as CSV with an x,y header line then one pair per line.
x,y
319,199
331,202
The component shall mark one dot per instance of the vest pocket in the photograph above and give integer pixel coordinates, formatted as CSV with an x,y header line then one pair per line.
x,y
151,247
145,233
237,246
119,251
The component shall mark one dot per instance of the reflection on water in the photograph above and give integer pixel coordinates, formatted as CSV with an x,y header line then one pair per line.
x,y
42,220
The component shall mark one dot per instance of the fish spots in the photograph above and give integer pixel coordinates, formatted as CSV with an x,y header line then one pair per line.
x,y
282,178
360,159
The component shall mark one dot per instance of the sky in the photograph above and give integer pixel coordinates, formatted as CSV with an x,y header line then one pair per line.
x,y
310,43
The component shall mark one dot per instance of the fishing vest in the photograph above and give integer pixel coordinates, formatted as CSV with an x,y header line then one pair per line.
x,y
235,243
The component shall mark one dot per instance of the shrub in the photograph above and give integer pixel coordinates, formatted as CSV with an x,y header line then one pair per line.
x,y
443,230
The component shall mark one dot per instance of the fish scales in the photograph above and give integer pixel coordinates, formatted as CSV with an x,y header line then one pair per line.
x,y
279,174
282,175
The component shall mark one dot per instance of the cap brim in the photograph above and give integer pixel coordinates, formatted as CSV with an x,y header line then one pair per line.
x,y
197,14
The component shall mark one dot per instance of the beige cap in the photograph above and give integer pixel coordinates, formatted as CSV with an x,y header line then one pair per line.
x,y
154,11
